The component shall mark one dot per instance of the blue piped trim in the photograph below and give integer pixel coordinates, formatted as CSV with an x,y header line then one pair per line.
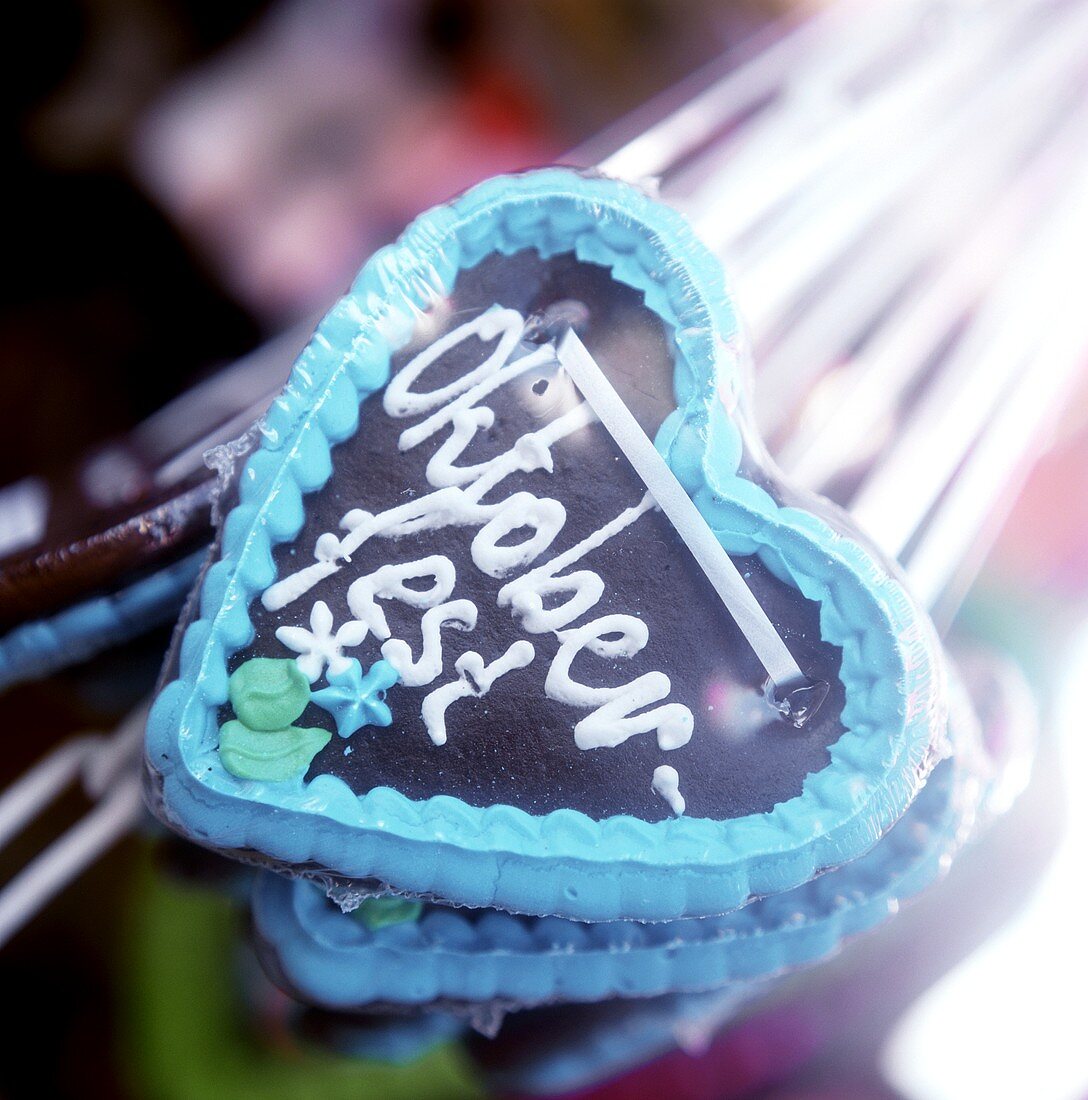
x,y
36,649
563,862
330,959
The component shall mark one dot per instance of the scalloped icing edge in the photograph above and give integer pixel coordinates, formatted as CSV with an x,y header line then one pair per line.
x,y
501,856
326,957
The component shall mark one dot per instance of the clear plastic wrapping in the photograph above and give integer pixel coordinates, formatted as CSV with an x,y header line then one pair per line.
x,y
510,609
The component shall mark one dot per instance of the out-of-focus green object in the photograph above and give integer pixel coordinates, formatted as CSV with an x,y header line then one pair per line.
x,y
187,1032
375,913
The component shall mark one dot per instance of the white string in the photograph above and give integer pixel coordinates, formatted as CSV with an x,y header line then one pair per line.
x,y
671,497
1043,373
1021,96
1001,459
813,88
23,800
740,198
675,135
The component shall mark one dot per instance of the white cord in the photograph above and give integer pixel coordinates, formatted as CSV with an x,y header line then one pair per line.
x,y
671,497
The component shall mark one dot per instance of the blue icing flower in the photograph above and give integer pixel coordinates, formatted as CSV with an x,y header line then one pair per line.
x,y
355,700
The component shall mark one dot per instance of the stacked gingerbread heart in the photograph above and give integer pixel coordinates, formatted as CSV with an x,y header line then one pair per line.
x,y
515,663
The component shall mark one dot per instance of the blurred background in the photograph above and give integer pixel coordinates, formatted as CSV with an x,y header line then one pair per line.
x,y
189,179
213,172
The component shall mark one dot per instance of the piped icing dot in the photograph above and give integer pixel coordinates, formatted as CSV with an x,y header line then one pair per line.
x,y
666,783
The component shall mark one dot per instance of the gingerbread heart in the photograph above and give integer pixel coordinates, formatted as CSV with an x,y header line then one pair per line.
x,y
568,645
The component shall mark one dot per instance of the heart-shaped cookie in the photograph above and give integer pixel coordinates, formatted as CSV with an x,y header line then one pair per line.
x,y
569,646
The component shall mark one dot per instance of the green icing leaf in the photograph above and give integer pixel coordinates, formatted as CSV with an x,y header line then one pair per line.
x,y
268,694
377,913
269,755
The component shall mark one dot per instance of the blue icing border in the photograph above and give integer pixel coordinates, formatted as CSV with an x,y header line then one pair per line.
x,y
500,856
36,649
331,959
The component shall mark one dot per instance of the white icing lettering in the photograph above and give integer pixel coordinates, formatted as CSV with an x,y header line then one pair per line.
x,y
399,399
441,470
513,534
530,452
448,505
389,583
493,379
545,517
612,723
459,614
474,678
326,551
525,596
